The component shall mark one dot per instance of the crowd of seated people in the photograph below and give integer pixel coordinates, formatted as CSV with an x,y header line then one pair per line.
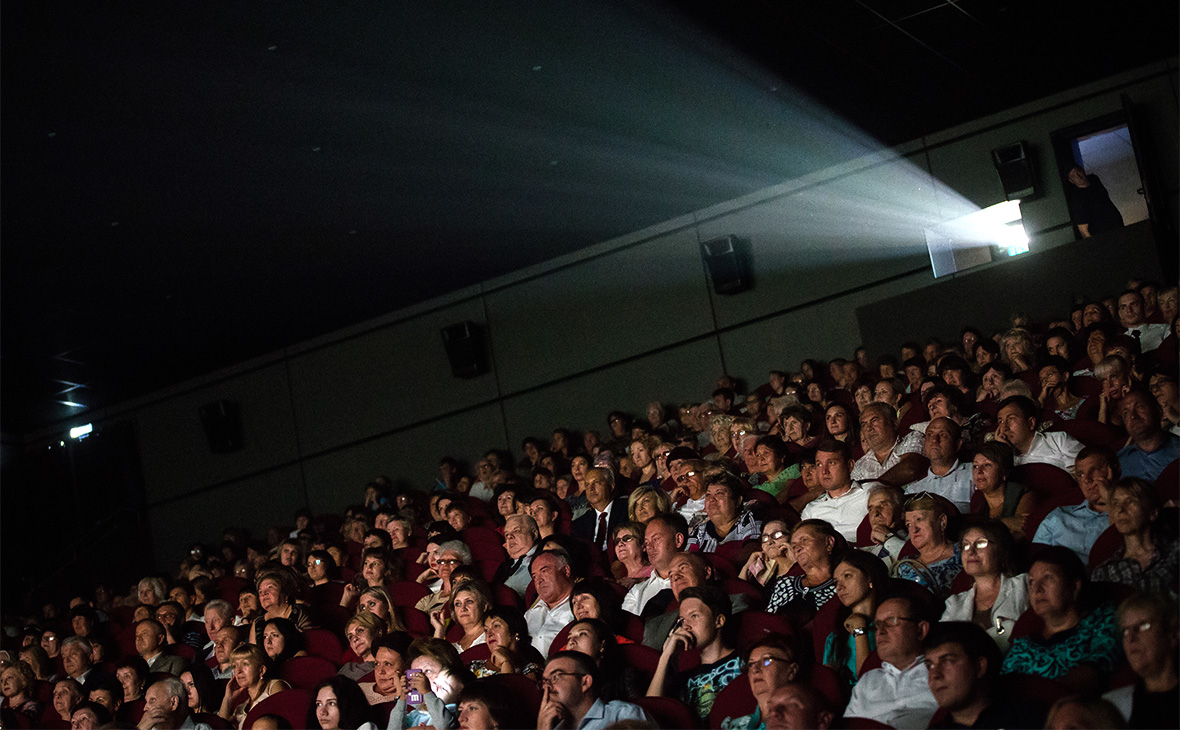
x,y
975,535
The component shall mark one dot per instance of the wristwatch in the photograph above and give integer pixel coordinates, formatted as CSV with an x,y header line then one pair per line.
x,y
859,632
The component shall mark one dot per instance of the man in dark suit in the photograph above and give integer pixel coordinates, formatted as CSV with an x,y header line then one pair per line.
x,y
606,512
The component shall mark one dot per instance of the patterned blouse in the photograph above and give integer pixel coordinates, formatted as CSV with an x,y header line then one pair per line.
x,y
1094,640
703,538
944,572
789,587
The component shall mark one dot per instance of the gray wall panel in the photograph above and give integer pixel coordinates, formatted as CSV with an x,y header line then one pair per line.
x,y
599,311
175,454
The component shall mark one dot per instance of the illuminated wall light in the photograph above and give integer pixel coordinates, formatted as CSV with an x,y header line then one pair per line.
x,y
79,432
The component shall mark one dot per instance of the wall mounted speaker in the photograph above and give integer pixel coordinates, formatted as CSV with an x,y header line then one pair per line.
x,y
728,260
222,421
1014,164
465,349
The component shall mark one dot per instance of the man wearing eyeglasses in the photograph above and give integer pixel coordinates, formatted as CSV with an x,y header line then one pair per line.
x,y
898,693
569,697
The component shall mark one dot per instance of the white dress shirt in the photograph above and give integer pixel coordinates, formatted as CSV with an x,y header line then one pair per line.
x,y
546,623
845,513
642,592
1052,447
1151,334
899,698
955,485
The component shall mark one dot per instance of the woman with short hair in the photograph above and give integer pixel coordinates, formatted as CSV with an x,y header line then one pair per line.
x,y
249,684
999,595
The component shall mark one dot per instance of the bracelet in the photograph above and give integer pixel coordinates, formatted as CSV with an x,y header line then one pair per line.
x,y
859,632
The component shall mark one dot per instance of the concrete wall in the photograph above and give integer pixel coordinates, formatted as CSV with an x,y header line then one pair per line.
x,y
613,326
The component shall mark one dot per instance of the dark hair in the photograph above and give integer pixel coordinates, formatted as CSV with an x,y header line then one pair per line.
x,y
1066,561
609,603
1000,454
726,393
732,485
350,700
584,665
914,362
999,536
835,446
517,625
1028,407
878,579
1058,363
382,536
785,643
987,344
673,519
1004,371
718,604
333,570
506,709
105,682
776,444
100,711
292,639
974,641
208,692
1107,454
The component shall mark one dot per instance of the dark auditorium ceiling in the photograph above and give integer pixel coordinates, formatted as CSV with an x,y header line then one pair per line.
x,y
190,184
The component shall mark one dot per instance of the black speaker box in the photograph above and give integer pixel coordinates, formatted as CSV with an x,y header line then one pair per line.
x,y
465,349
728,260
222,421
1014,164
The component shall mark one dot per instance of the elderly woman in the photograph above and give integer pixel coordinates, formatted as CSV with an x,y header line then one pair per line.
x,y
470,602
451,554
1009,502
362,632
484,705
630,566
999,596
795,426
991,379
18,685
726,518
861,579
511,649
646,502
771,663
277,590
720,439
249,684
772,458
67,695
813,543
646,471
939,560
774,559
1148,559
1076,643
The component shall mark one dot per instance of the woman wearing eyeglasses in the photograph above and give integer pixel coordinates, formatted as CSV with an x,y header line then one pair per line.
x,y
774,559
999,596
451,554
770,664
631,567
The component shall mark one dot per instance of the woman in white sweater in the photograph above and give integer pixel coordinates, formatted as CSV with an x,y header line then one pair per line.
x,y
998,597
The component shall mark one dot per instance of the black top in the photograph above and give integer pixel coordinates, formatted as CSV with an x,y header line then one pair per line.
x,y
1091,206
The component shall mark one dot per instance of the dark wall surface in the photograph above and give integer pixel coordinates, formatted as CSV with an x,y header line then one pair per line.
x,y
1042,285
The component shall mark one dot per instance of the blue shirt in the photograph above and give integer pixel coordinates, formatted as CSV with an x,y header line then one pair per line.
x,y
1075,527
1136,462
604,714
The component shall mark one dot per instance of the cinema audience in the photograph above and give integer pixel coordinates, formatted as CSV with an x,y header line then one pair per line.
x,y
646,499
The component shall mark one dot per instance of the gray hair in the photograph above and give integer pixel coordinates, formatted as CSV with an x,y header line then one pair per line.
x,y
175,688
157,587
529,523
1015,386
81,642
220,606
459,548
